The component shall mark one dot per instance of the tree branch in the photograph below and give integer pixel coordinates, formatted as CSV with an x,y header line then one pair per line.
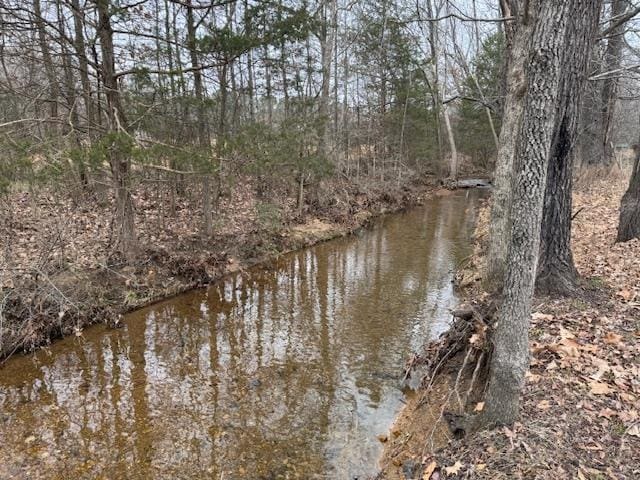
x,y
625,17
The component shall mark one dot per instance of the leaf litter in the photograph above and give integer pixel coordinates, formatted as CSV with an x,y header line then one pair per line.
x,y
580,409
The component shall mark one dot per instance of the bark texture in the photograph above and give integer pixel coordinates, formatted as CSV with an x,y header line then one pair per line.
x,y
518,37
557,274
510,359
629,224
126,241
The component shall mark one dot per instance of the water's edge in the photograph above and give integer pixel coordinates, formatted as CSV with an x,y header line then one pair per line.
x,y
289,369
110,303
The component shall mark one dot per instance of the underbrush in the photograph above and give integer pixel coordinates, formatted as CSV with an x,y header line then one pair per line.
x,y
60,272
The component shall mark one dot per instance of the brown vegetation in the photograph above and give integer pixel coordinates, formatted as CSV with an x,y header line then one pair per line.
x,y
63,275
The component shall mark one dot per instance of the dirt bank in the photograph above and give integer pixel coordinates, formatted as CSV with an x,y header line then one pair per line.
x,y
580,416
60,276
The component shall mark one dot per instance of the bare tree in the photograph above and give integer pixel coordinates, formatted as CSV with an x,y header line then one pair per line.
x,y
204,138
119,159
510,358
596,141
629,223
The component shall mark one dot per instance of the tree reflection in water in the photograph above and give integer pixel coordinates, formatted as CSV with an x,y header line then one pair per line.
x,y
287,371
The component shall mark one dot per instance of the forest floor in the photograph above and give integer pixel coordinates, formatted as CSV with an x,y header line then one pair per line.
x,y
580,410
59,275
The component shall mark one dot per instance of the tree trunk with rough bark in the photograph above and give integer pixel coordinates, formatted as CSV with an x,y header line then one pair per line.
x,y
557,274
629,224
126,241
502,182
510,358
204,139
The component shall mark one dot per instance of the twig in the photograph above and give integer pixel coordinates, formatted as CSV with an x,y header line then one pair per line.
x,y
459,377
46,277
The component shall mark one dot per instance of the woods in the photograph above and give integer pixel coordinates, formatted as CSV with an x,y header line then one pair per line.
x,y
177,93
155,146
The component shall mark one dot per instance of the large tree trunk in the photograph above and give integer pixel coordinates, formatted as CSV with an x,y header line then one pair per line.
x,y
517,42
557,274
126,241
510,359
629,224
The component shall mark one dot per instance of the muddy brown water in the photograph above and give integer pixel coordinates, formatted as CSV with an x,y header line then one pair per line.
x,y
289,371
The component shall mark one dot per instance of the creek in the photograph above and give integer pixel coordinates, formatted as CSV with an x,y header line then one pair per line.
x,y
289,370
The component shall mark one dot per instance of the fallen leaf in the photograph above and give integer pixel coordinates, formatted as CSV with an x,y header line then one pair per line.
x,y
479,407
544,405
532,377
626,294
607,413
566,348
599,388
564,333
453,469
426,475
634,431
541,316
481,466
612,338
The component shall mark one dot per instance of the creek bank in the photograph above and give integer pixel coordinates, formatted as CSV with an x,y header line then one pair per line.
x,y
584,375
79,284
289,369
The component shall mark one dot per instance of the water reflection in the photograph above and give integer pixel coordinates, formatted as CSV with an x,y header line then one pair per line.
x,y
285,372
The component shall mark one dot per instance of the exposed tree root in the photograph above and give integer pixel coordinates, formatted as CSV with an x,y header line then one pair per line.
x,y
463,355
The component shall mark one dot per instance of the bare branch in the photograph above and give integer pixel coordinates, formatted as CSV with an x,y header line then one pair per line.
x,y
625,17
614,73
